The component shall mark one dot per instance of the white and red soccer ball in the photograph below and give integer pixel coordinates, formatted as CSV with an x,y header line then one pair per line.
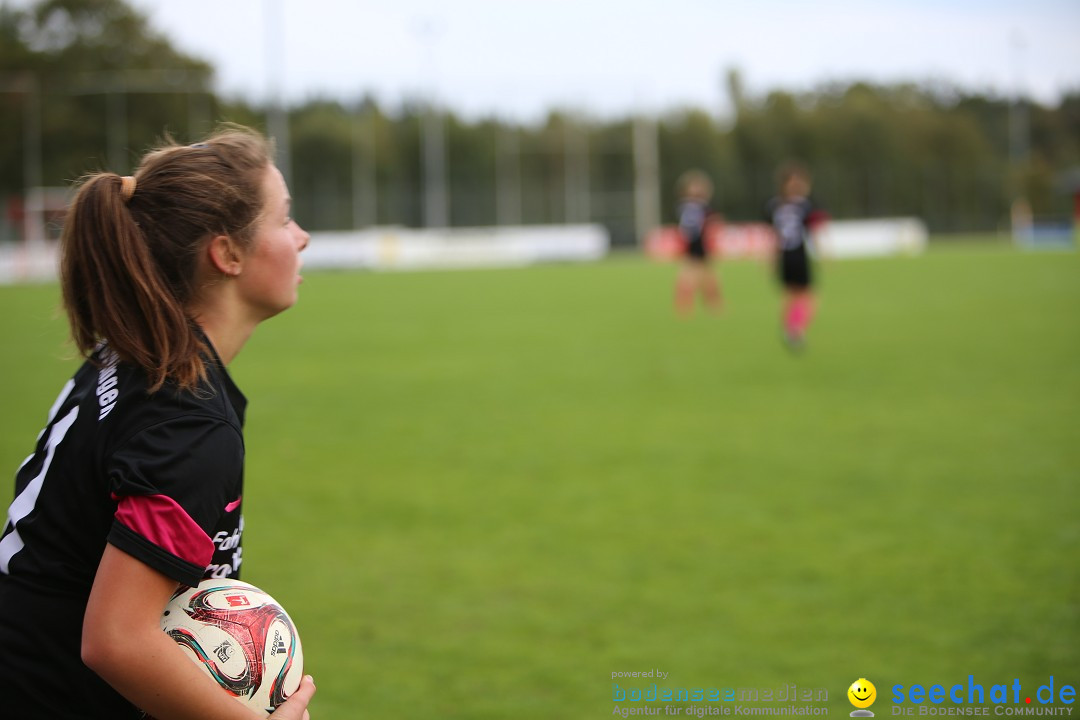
x,y
241,637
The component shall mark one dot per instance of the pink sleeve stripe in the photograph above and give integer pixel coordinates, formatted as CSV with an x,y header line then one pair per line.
x,y
162,521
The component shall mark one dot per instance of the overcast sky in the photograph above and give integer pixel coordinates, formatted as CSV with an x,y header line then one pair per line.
x,y
521,57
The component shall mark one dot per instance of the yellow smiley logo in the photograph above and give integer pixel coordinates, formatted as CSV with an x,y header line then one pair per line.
x,y
862,693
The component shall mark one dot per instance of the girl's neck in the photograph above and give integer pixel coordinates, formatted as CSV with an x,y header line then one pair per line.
x,y
227,334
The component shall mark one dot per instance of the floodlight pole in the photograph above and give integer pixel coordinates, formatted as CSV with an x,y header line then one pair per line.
x,y
33,177
436,195
32,174
1018,146
576,182
364,176
507,174
277,117
646,177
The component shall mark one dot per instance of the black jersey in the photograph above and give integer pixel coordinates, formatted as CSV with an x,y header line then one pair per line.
x,y
793,219
693,217
158,476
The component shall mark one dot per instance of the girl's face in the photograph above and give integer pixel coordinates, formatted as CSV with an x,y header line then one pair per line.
x,y
796,185
271,269
698,190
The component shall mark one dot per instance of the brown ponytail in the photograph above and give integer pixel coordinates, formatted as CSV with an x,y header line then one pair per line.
x,y
130,264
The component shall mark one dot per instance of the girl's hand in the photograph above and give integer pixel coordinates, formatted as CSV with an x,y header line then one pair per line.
x,y
295,708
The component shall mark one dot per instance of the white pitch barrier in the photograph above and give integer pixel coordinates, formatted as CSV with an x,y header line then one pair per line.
x,y
398,248
872,238
32,262
388,248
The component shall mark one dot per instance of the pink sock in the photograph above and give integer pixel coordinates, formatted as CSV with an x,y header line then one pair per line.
x,y
806,312
798,315
791,325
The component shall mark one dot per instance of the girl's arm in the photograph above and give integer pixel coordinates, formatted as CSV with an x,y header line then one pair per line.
x,y
123,642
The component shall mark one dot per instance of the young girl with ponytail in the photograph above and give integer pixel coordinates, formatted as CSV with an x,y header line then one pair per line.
x,y
135,485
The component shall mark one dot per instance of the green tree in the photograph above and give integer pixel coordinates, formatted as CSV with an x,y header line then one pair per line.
x,y
95,83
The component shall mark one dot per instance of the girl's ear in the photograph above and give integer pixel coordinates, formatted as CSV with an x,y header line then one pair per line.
x,y
225,256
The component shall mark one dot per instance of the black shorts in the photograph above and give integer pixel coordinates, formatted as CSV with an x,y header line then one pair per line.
x,y
794,268
696,250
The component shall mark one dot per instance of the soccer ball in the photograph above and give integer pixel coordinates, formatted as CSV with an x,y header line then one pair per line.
x,y
241,637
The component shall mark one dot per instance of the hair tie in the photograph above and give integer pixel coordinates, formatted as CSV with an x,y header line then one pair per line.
x,y
127,187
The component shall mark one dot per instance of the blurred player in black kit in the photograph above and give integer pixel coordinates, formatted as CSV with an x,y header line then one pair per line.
x,y
794,217
696,274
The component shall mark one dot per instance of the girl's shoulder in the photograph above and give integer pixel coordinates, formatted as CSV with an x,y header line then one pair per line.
x,y
125,406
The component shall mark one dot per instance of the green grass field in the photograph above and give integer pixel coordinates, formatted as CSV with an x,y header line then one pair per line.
x,y
482,493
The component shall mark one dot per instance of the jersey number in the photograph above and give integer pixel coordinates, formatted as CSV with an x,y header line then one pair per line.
x,y
25,501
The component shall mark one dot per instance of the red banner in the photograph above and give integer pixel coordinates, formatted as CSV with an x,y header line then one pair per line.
x,y
723,240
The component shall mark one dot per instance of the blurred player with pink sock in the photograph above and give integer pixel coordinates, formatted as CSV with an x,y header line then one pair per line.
x,y
794,216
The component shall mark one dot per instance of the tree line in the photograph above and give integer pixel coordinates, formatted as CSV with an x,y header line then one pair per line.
x,y
89,84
